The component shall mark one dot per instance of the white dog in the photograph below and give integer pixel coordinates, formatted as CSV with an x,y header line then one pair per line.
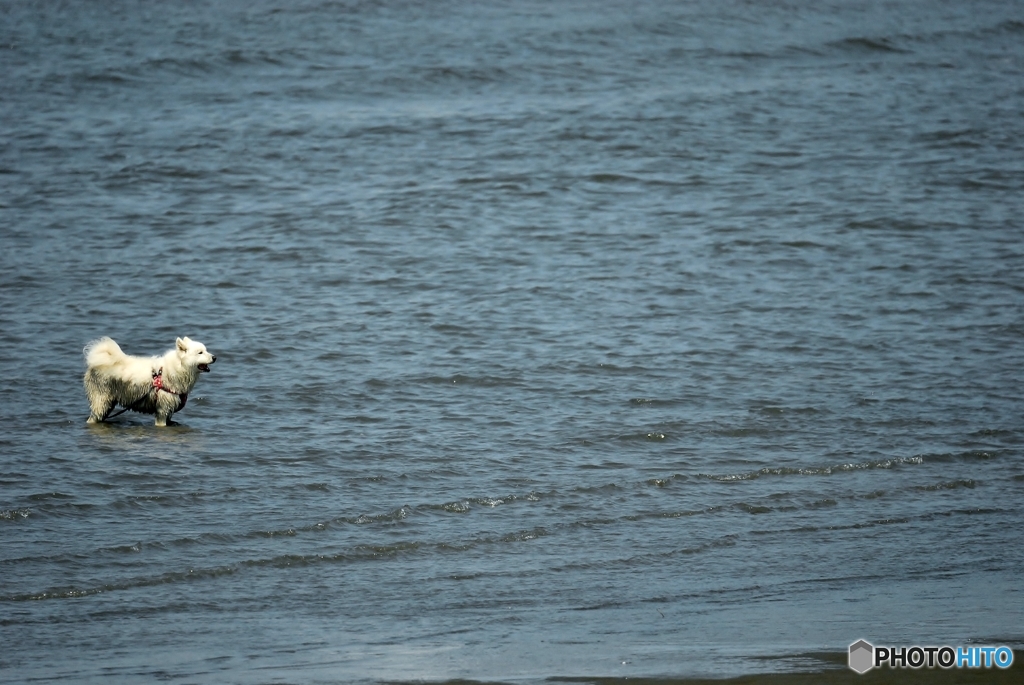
x,y
151,385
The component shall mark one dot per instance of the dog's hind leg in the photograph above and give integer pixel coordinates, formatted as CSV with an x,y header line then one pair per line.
x,y
100,409
102,398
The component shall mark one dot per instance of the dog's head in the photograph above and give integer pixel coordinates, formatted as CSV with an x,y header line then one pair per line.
x,y
193,353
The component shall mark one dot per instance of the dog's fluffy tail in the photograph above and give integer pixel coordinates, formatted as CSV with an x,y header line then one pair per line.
x,y
102,352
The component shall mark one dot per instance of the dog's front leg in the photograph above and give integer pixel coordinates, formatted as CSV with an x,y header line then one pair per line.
x,y
163,413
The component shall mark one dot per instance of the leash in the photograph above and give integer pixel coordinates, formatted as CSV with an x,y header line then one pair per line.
x,y
158,385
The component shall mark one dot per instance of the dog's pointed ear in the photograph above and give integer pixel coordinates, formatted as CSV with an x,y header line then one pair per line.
x,y
182,344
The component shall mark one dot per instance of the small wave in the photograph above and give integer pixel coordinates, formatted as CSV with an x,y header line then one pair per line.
x,y
813,471
877,522
653,559
475,75
44,496
384,130
460,379
1010,26
948,485
641,436
778,409
524,535
891,224
287,532
465,505
393,516
493,502
358,553
611,178
140,582
125,549
656,402
990,182
959,138
993,433
668,480
113,77
186,67
748,432
241,57
14,514
971,455
863,44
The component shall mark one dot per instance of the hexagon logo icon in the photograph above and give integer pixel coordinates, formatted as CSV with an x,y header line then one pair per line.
x,y
862,656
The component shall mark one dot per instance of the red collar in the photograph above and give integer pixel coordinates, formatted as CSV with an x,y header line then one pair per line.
x,y
158,384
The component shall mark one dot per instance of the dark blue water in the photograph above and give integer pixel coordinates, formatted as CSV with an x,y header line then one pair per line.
x,y
555,339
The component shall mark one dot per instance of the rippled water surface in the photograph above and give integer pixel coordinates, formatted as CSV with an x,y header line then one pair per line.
x,y
554,338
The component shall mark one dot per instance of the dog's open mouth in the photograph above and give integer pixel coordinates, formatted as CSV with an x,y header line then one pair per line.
x,y
205,368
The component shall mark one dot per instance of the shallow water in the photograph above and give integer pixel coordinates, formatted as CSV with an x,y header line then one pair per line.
x,y
554,339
